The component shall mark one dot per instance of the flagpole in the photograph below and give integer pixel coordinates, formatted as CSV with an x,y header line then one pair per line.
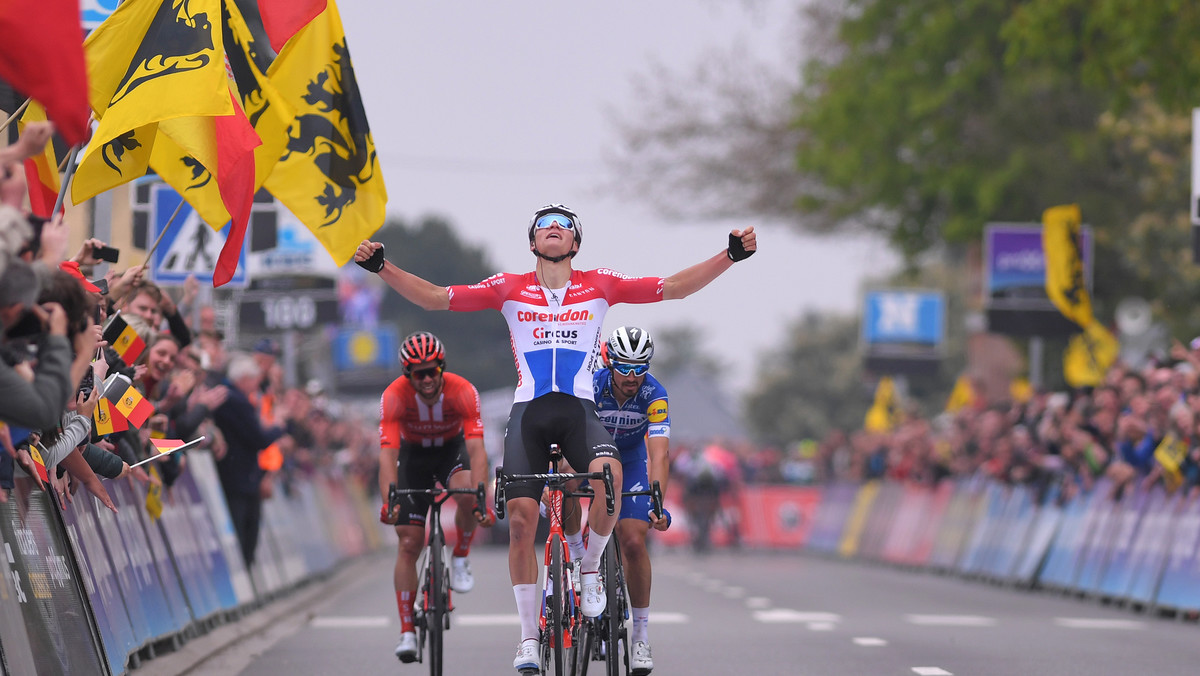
x,y
163,232
17,113
62,192
168,452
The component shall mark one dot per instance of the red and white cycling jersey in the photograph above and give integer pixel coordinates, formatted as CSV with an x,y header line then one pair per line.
x,y
405,417
556,344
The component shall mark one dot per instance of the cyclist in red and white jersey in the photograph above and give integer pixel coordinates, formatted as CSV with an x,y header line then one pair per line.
x,y
430,430
555,316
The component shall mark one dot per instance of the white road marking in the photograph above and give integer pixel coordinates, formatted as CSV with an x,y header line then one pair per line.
x,y
669,618
950,620
785,615
372,621
482,620
868,641
821,626
734,592
758,602
931,671
713,586
1097,623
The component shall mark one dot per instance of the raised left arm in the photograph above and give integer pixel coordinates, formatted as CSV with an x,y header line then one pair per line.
x,y
690,280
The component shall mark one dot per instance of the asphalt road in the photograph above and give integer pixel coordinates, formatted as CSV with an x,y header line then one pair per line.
x,y
731,613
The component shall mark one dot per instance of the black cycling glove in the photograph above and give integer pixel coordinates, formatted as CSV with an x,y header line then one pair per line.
x,y
736,251
374,263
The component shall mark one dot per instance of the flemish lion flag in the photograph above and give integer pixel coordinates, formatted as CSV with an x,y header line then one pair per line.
x,y
1065,282
1089,355
881,417
329,174
41,171
1169,455
123,339
150,61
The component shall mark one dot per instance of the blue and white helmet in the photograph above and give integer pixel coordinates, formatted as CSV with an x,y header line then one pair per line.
x,y
557,209
629,345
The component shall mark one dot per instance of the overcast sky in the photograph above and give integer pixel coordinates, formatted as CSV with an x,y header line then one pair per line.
x,y
484,111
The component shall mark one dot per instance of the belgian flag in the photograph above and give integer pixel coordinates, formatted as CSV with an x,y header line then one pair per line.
x,y
127,401
122,338
108,420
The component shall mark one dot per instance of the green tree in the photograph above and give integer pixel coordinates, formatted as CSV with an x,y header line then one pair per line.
x,y
811,385
477,343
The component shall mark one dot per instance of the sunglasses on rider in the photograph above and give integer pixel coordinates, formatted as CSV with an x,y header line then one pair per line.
x,y
554,219
422,374
630,369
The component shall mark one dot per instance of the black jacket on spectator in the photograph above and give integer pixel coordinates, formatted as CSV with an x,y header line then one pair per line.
x,y
107,465
238,421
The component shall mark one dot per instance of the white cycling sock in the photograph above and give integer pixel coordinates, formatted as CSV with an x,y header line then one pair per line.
x,y
641,625
575,544
529,605
591,558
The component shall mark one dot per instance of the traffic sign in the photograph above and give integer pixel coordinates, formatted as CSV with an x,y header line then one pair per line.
x,y
190,246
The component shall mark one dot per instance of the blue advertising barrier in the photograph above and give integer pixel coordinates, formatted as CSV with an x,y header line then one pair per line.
x,y
832,513
1119,571
1098,546
1150,548
1042,532
1180,588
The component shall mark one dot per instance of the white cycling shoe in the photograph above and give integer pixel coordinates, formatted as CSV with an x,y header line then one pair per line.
x,y
406,649
462,580
527,655
594,600
642,662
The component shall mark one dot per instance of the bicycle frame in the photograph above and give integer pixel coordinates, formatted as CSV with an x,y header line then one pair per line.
x,y
433,579
560,603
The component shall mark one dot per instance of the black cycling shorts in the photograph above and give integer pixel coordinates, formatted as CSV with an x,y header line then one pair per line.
x,y
421,467
554,418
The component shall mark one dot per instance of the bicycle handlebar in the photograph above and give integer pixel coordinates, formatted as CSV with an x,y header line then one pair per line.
x,y
655,493
557,479
480,493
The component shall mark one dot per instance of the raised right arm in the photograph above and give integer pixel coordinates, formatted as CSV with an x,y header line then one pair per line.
x,y
418,291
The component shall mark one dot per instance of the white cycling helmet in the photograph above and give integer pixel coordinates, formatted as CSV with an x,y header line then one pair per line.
x,y
557,209
630,345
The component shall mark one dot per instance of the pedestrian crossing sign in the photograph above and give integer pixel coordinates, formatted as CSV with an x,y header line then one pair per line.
x,y
189,247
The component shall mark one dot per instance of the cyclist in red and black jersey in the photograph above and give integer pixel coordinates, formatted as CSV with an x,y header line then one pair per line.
x,y
430,430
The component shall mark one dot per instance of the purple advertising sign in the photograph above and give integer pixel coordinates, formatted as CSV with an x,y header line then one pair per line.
x,y
1015,266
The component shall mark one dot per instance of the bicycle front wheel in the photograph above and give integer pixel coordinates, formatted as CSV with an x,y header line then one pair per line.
x,y
556,608
436,600
614,613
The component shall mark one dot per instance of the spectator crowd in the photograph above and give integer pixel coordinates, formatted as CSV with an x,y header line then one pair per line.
x,y
61,380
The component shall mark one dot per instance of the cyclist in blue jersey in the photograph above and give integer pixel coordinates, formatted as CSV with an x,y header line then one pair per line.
x,y
632,404
555,316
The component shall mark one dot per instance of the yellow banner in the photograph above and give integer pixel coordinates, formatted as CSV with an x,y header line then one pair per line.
x,y
329,174
882,414
148,62
1170,455
1065,282
1089,355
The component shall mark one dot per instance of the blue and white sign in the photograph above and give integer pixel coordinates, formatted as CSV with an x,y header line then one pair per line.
x,y
189,247
93,12
904,316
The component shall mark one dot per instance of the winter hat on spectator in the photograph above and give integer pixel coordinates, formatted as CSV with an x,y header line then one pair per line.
x,y
18,282
72,268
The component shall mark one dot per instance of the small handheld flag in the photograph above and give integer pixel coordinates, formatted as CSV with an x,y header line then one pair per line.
x,y
127,400
171,446
123,339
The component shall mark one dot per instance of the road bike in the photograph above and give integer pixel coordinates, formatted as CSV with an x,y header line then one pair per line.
x,y
606,638
431,612
560,600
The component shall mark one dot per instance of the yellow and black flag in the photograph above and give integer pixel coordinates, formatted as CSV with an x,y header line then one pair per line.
x,y
1065,282
150,61
328,175
883,414
1089,356
248,56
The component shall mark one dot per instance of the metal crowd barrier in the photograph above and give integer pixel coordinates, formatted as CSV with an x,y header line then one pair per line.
x,y
1140,549
86,591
